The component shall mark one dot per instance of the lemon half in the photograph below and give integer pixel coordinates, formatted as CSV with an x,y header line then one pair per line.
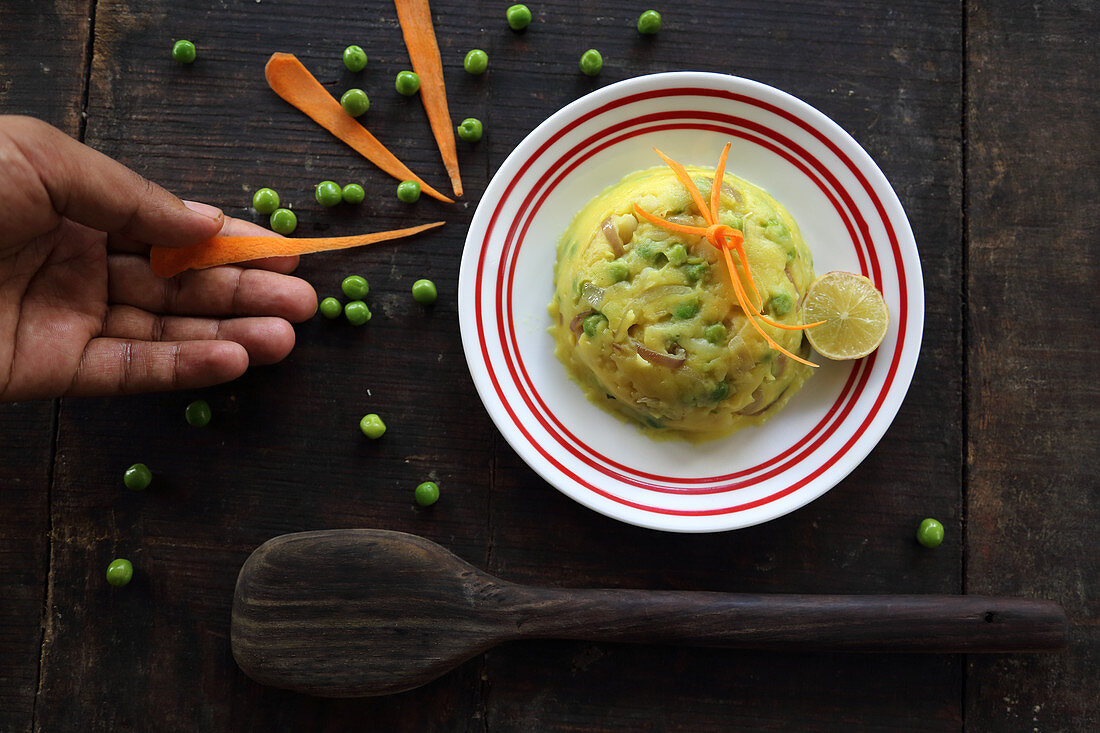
x,y
855,315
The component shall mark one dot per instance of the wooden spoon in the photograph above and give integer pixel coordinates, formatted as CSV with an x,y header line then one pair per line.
x,y
351,613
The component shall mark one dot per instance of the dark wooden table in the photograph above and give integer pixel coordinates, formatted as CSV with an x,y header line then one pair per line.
x,y
983,115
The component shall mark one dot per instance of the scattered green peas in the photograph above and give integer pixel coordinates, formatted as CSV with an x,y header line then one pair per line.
x,y
407,83
198,413
649,22
355,102
372,426
357,312
119,572
591,324
591,62
476,62
424,292
930,533
137,477
720,392
695,272
183,51
265,201
328,193
355,58
283,221
715,333
781,304
427,493
355,287
470,130
519,17
353,193
330,308
408,191
618,271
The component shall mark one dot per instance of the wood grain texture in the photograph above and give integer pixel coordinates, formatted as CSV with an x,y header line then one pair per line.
x,y
42,73
1033,509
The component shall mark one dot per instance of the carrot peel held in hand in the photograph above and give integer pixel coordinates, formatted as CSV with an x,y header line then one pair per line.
x,y
416,25
292,81
169,261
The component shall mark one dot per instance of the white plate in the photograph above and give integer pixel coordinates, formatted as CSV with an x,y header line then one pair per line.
x,y
849,216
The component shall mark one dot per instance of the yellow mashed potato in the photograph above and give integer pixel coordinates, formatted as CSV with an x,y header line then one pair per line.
x,y
647,321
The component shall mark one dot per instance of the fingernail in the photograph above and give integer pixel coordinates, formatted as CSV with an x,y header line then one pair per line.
x,y
212,212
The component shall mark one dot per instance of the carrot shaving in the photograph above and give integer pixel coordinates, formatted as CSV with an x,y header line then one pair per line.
x,y
416,26
169,261
725,238
292,81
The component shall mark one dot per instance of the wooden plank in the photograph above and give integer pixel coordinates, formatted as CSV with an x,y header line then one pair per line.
x,y
1033,184
284,451
42,71
890,76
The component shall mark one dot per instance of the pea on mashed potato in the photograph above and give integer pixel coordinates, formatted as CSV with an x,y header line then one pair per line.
x,y
647,321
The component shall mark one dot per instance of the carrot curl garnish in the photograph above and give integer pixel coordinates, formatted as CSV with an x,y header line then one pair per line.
x,y
724,238
169,261
416,25
292,81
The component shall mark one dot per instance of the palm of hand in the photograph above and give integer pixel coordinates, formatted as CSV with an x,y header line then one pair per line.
x,y
53,302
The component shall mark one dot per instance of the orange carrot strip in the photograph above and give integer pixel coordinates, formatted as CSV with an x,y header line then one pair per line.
x,y
690,184
416,26
169,261
292,81
742,299
716,187
671,226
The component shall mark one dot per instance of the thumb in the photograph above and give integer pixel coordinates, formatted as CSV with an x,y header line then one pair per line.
x,y
88,187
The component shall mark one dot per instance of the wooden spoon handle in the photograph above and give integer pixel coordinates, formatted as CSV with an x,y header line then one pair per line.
x,y
852,623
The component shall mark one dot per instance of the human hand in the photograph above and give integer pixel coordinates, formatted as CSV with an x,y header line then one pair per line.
x,y
81,312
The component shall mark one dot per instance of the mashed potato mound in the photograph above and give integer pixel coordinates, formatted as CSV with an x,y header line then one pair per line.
x,y
647,321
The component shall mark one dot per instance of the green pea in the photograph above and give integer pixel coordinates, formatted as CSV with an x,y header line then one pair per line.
x,y
591,62
183,51
618,271
470,130
424,291
353,193
649,22
328,193
408,191
592,323
407,83
372,426
696,272
427,493
283,221
930,533
330,308
781,304
355,287
677,254
355,102
720,392
357,312
476,62
137,477
519,17
737,222
776,231
715,333
119,572
198,414
355,58
687,310
265,201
